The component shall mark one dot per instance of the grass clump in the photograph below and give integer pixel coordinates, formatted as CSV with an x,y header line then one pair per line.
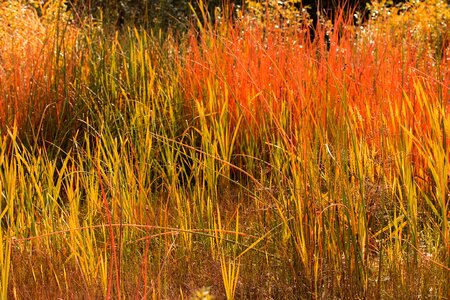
x,y
37,66
239,159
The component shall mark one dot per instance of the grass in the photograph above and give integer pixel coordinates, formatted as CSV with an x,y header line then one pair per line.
x,y
236,160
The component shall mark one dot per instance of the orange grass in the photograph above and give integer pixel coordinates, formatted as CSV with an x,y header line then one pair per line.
x,y
262,68
340,142
36,64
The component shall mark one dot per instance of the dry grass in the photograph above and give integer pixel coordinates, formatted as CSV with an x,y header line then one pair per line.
x,y
37,65
239,160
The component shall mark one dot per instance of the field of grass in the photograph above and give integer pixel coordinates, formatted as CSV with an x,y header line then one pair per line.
x,y
241,159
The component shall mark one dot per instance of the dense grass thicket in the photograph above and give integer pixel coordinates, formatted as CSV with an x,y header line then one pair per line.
x,y
259,156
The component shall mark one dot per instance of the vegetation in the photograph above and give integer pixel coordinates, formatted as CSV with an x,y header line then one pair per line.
x,y
257,156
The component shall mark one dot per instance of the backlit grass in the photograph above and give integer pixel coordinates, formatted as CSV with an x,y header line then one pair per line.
x,y
242,159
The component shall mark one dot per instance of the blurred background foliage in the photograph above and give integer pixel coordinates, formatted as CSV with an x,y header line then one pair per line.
x,y
427,21
156,14
176,14
430,18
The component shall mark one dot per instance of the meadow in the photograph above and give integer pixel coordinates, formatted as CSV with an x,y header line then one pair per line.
x,y
250,157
